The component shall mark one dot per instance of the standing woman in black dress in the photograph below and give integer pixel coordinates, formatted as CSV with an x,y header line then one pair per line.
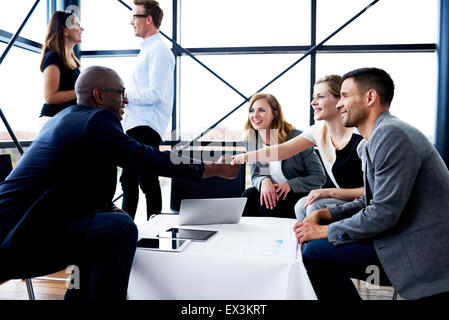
x,y
59,63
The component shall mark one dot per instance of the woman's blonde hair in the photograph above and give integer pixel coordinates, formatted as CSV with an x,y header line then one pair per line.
x,y
333,83
284,128
54,40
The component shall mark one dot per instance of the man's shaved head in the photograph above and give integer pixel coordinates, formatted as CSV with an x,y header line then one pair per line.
x,y
101,87
94,77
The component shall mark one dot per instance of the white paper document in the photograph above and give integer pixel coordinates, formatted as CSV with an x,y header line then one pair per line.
x,y
270,247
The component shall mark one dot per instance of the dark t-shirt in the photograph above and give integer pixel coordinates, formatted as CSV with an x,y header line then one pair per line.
x,y
66,82
347,168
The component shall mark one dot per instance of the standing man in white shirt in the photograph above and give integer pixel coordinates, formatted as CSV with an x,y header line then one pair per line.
x,y
150,95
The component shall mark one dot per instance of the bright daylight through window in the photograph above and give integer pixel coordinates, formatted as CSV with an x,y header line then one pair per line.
x,y
265,37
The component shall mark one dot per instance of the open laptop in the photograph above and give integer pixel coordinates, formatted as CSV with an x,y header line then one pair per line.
x,y
211,211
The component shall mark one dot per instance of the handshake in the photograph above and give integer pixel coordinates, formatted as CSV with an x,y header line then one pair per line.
x,y
226,167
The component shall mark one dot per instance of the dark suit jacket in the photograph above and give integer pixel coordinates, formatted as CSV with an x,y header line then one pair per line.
x,y
70,171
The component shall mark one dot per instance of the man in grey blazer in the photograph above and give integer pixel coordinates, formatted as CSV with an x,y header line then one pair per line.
x,y
398,231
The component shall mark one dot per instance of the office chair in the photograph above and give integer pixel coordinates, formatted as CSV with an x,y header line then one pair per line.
x,y
5,166
5,169
213,187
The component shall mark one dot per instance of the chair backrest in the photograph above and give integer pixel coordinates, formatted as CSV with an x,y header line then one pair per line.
x,y
328,183
5,166
214,187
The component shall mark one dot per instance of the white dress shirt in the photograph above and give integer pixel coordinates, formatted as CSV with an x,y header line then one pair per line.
x,y
275,170
150,89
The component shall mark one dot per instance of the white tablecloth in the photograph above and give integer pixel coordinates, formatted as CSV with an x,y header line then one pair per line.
x,y
255,259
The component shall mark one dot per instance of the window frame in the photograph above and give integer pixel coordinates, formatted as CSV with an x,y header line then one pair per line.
x,y
28,44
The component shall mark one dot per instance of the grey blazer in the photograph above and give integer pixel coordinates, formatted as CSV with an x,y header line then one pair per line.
x,y
304,171
405,208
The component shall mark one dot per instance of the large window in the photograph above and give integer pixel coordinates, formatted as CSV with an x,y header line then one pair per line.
x,y
237,23
222,25
247,43
202,94
12,13
414,75
20,77
396,25
387,22
22,93
107,24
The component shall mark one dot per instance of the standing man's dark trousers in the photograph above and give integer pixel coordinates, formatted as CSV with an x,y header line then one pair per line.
x,y
131,178
283,209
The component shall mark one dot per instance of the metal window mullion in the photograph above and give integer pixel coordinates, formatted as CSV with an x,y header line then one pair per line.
x,y
311,50
376,48
51,8
22,43
174,121
177,47
442,112
313,55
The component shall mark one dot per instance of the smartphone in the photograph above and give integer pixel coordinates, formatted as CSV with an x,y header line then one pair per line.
x,y
187,234
156,244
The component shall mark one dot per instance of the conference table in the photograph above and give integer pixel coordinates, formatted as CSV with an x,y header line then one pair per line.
x,y
255,259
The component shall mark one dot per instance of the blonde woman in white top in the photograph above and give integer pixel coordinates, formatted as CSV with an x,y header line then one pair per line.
x,y
336,144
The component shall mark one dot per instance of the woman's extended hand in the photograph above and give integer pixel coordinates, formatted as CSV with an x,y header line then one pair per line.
x,y
238,159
